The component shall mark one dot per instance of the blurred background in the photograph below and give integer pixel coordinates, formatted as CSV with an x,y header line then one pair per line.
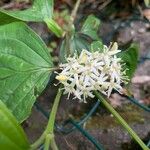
x,y
124,21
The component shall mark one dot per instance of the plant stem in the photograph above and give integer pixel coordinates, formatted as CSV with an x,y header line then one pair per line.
x,y
50,125
50,141
121,120
51,122
48,134
38,142
68,46
70,31
74,12
47,141
53,144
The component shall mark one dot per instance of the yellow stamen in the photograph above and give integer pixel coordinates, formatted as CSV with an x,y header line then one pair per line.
x,y
83,58
61,77
114,46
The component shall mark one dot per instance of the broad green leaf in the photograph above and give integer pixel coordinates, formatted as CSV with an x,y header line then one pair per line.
x,y
97,46
73,44
12,136
130,58
40,10
90,27
25,68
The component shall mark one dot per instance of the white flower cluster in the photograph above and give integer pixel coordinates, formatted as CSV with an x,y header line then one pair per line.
x,y
90,71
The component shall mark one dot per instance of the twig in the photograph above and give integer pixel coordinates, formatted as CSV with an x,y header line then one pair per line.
x,y
74,12
104,4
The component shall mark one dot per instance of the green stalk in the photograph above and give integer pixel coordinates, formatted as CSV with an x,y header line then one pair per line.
x,y
71,27
48,134
121,120
50,125
53,144
74,12
38,142
50,141
47,141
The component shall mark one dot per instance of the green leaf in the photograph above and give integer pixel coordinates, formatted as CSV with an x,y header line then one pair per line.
x,y
40,10
53,26
72,45
5,19
12,136
74,42
25,68
97,46
130,58
91,26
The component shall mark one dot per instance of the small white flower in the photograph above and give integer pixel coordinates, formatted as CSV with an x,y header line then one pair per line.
x,y
83,74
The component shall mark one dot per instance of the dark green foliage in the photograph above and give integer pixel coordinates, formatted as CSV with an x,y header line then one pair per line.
x,y
12,136
25,68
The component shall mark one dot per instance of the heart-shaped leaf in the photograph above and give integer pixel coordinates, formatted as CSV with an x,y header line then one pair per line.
x,y
25,68
130,58
12,136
